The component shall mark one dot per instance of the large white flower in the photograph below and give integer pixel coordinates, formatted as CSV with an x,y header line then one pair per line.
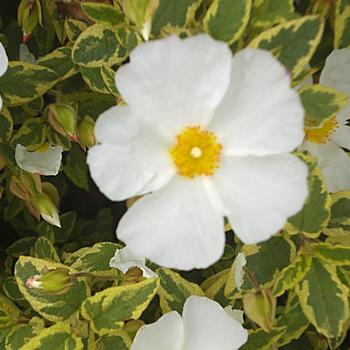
x,y
44,162
326,143
204,325
209,135
124,259
4,62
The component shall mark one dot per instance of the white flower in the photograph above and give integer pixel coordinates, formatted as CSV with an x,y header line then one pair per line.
x,y
235,314
209,135
44,162
4,62
204,325
124,259
326,143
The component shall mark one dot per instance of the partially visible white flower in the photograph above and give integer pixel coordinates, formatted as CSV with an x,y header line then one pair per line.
x,y
238,265
124,259
44,162
235,314
209,136
204,325
25,55
4,62
326,143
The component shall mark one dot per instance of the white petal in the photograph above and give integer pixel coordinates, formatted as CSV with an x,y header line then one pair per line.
x,y
141,166
41,162
175,227
165,334
342,136
334,164
4,62
239,262
124,259
207,326
261,193
174,83
260,113
53,219
336,70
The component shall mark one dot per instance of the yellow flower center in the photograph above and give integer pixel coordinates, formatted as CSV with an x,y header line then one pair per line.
x,y
196,152
322,134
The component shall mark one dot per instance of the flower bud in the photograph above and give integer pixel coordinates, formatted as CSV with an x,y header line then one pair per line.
x,y
18,189
52,281
141,13
63,118
29,15
31,182
48,210
260,307
86,132
318,341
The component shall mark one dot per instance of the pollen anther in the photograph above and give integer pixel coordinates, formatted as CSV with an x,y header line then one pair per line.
x,y
196,152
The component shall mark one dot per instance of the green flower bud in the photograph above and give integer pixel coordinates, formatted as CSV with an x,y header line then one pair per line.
x,y
63,118
47,209
86,132
31,182
260,307
52,281
29,16
141,12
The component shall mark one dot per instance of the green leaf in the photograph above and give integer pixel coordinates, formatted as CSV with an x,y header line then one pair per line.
x,y
108,76
267,13
174,290
9,313
108,310
266,260
96,259
103,13
333,254
74,28
339,222
60,61
10,288
177,13
23,246
53,307
24,82
96,46
94,79
321,103
21,334
293,42
214,287
324,299
295,322
258,339
44,249
6,125
118,341
342,24
32,134
292,274
76,168
316,211
226,22
57,337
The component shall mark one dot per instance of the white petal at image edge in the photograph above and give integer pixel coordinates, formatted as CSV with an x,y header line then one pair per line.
x,y
3,60
176,226
165,334
207,326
